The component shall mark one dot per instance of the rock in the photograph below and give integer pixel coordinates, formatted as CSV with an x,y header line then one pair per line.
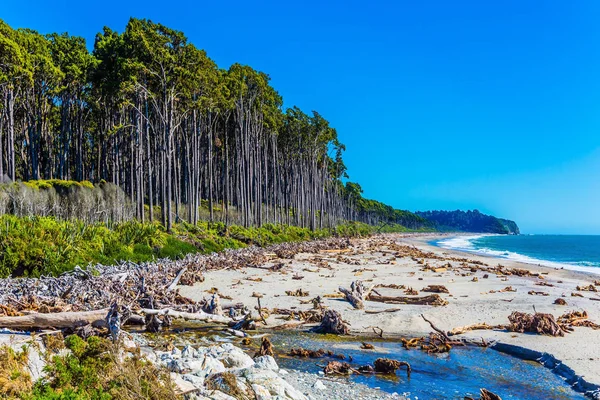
x,y
195,380
182,386
210,365
272,382
261,392
236,358
175,353
266,362
318,385
188,352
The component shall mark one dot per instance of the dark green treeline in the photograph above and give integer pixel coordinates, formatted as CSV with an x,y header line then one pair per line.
x,y
150,112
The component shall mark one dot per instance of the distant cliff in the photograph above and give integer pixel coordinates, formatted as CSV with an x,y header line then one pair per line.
x,y
469,221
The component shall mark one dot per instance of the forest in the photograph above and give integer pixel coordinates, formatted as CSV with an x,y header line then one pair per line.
x,y
469,221
149,112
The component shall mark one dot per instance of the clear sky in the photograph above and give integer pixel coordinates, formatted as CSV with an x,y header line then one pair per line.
x,y
442,104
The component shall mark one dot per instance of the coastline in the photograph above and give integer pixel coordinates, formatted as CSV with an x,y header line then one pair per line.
x,y
372,261
520,258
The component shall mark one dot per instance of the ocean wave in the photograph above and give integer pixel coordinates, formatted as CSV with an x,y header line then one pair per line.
x,y
465,243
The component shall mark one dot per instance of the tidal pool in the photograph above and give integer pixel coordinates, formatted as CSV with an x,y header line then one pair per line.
x,y
454,375
461,372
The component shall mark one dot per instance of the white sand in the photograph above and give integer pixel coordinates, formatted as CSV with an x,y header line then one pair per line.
x,y
469,302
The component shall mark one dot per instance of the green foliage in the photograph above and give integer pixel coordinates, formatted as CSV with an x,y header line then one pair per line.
x,y
469,221
34,246
92,369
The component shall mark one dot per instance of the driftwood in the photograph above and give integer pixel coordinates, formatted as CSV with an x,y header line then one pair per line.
x,y
387,366
475,327
266,348
56,320
336,367
435,328
140,285
575,318
332,323
435,289
430,300
197,316
543,324
487,395
213,306
560,301
177,278
356,295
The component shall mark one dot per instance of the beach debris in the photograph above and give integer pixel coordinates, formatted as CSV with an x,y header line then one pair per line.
x,y
411,292
388,366
588,288
387,310
266,348
485,395
412,343
390,286
338,368
436,342
356,294
575,318
474,327
435,289
540,323
560,301
307,353
309,316
534,293
297,293
147,285
332,322
429,300
213,306
366,346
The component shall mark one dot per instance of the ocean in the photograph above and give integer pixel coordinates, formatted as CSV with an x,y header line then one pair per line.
x,y
579,252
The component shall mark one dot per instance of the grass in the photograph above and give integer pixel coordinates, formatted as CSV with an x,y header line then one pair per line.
x,y
91,369
35,246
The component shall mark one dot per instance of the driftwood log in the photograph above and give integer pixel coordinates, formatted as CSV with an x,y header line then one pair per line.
x,y
332,323
56,320
430,300
197,316
474,327
356,295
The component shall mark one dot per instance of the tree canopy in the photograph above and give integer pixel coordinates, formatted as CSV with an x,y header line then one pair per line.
x,y
149,112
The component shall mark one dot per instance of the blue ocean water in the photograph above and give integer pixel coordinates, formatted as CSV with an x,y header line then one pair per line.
x,y
569,251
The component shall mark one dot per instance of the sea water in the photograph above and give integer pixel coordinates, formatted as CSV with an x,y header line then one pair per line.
x,y
579,252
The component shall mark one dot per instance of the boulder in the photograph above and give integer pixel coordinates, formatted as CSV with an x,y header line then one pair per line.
x,y
266,362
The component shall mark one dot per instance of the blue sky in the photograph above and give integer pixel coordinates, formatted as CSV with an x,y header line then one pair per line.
x,y
442,104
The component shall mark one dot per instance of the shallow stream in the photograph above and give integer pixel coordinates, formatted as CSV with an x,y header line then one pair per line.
x,y
461,372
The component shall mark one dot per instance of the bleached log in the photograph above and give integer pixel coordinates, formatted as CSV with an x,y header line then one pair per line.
x,y
56,320
197,316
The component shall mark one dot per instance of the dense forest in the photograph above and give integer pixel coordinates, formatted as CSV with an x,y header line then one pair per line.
x,y
149,112
469,221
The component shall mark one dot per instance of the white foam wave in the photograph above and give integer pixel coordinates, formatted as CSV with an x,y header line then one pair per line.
x,y
465,243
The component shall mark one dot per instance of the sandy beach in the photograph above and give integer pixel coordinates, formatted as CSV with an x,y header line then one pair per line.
x,y
473,297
